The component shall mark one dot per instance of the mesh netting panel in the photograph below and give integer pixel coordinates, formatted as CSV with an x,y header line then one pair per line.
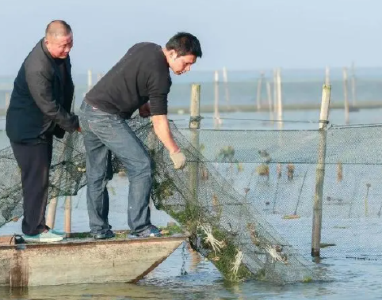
x,y
238,186
225,226
276,172
67,175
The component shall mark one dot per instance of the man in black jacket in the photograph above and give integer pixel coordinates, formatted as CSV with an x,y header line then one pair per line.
x,y
141,76
40,108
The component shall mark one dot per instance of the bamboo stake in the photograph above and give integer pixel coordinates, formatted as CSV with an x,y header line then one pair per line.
x,y
195,107
353,84
269,96
217,120
90,80
68,216
51,217
225,79
279,99
320,172
7,100
346,101
327,75
258,96
194,125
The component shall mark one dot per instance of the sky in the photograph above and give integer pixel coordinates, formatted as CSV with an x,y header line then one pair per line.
x,y
237,34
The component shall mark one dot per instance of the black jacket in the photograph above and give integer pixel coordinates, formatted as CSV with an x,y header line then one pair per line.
x,y
40,101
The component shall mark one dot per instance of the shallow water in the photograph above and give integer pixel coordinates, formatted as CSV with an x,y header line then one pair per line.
x,y
186,275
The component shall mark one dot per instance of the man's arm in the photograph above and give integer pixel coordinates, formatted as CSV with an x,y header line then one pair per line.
x,y
158,85
40,87
163,132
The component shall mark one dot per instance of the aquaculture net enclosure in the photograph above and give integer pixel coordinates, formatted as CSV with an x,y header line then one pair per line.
x,y
277,171
245,197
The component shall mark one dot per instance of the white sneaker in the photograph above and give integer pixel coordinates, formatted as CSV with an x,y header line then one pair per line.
x,y
44,237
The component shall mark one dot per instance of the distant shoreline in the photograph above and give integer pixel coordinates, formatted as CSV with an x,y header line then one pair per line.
x,y
253,108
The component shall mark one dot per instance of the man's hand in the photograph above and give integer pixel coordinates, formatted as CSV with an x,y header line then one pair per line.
x,y
179,159
79,129
144,111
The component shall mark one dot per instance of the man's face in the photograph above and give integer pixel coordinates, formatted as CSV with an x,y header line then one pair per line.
x,y
181,64
60,46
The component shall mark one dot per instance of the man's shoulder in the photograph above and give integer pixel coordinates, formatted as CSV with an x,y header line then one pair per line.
x,y
148,50
37,60
146,46
152,56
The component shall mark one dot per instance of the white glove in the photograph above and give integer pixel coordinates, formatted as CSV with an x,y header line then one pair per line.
x,y
179,160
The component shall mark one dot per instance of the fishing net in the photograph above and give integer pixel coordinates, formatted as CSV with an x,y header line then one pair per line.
x,y
245,197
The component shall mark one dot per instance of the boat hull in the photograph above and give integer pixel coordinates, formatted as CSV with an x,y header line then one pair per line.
x,y
83,261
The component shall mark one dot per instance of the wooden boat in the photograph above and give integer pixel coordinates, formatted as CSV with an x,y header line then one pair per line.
x,y
82,260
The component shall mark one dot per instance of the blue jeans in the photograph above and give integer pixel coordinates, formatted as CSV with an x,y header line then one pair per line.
x,y
103,132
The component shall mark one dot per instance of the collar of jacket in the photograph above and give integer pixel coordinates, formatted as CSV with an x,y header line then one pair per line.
x,y
47,53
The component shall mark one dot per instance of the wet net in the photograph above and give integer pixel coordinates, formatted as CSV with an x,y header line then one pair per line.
x,y
245,197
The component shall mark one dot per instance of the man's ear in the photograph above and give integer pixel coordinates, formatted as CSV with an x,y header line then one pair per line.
x,y
173,54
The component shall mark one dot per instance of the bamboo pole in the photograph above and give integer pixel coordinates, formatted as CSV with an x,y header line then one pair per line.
x,y
225,79
327,75
195,107
51,217
194,125
279,99
320,172
90,80
258,96
68,216
346,101
269,96
7,100
217,120
275,91
353,83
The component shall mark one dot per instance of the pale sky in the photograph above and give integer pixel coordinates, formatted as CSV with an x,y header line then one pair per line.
x,y
238,34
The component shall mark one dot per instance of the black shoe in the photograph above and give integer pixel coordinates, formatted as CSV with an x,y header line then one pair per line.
x,y
104,235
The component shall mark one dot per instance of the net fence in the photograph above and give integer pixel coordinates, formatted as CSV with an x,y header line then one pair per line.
x,y
246,197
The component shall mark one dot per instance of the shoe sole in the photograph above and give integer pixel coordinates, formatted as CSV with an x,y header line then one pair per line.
x,y
103,238
143,237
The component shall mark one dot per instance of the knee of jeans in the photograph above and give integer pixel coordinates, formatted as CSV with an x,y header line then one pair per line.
x,y
96,180
144,168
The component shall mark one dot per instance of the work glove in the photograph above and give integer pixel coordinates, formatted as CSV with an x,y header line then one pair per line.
x,y
179,159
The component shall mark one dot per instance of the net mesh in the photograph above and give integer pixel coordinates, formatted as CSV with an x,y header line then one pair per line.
x,y
245,197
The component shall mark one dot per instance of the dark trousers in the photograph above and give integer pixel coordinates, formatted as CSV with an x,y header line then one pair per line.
x,y
34,161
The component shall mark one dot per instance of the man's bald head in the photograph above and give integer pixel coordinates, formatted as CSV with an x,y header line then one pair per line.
x,y
59,39
57,28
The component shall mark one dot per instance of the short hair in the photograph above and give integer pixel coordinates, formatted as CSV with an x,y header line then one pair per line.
x,y
54,30
185,44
